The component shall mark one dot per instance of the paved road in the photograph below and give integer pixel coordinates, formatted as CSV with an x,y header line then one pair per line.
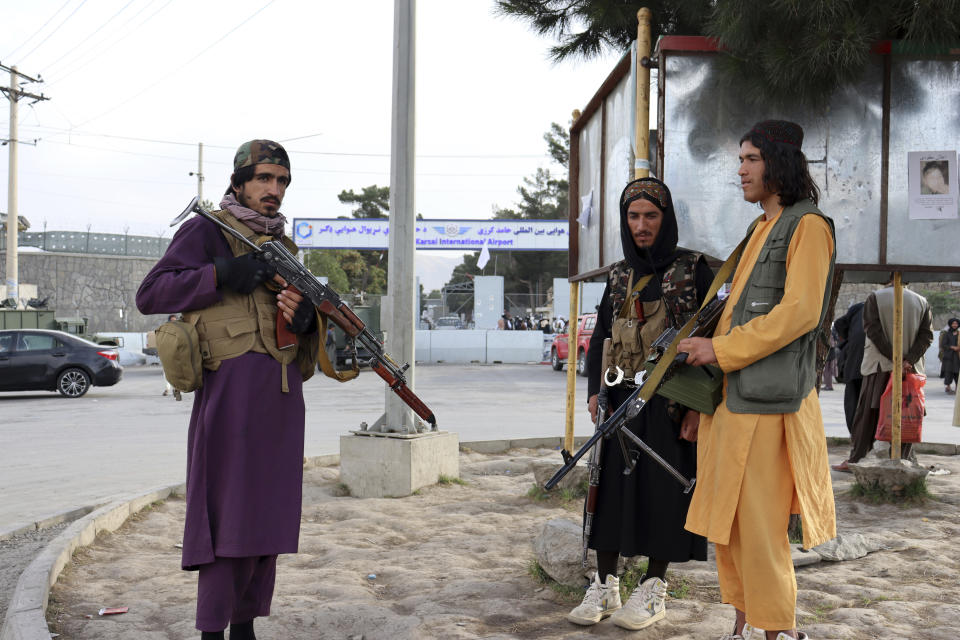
x,y
57,454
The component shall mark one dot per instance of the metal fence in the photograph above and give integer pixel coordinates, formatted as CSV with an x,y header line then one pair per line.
x,y
110,244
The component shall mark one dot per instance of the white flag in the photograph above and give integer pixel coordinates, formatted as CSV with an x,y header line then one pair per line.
x,y
484,257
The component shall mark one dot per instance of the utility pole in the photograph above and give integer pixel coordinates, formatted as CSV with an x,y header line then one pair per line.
x,y
400,332
14,94
199,172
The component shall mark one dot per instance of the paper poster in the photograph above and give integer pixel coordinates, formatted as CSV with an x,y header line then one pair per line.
x,y
586,208
932,187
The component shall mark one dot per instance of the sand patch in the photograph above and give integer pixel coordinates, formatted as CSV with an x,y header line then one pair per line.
x,y
453,562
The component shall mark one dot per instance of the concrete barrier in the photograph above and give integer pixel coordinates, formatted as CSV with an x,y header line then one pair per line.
x,y
461,346
465,346
514,347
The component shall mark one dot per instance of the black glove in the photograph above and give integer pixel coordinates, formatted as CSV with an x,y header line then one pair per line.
x,y
242,274
304,319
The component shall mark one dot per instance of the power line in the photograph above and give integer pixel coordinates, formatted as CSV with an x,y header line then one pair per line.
x,y
65,20
384,172
55,14
86,39
495,156
82,63
178,69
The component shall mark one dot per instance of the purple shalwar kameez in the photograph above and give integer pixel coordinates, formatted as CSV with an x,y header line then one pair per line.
x,y
245,441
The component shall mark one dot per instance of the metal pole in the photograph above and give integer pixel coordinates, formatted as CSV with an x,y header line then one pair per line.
x,y
641,165
956,410
13,219
897,372
400,332
572,363
200,171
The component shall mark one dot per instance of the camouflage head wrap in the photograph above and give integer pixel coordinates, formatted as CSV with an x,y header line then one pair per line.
x,y
260,152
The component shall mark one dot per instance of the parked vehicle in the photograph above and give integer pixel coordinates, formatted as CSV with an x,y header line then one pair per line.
x,y
346,353
46,360
560,346
449,322
130,346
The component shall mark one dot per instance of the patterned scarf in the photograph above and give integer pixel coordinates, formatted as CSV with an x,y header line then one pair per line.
x,y
256,221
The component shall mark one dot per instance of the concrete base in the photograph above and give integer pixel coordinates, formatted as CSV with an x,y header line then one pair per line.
x,y
388,465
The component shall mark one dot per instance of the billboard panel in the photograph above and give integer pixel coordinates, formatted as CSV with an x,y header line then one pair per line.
x,y
463,235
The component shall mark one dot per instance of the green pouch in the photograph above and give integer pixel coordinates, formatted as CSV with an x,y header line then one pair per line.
x,y
178,346
692,386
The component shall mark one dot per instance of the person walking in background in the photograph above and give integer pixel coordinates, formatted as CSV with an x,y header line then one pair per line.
x,y
763,455
330,345
830,366
169,387
849,329
877,362
950,354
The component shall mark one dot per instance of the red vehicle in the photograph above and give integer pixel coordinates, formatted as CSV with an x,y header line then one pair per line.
x,y
559,348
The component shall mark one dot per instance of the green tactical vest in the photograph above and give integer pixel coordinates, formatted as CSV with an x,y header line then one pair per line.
x,y
779,382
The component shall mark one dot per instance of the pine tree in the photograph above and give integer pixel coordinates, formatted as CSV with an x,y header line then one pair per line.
x,y
777,51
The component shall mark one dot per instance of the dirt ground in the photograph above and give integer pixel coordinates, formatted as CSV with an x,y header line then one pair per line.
x,y
454,561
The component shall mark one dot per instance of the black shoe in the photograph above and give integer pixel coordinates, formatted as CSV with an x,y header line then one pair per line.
x,y
242,631
211,635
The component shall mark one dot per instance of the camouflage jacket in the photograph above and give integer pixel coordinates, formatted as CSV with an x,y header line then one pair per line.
x,y
678,285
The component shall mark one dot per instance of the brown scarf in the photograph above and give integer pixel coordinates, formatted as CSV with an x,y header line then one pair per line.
x,y
256,221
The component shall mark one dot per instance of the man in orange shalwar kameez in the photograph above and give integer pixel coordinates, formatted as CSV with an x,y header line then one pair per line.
x,y
763,454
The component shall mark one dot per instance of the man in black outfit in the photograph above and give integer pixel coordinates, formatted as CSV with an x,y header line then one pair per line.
x,y
849,328
656,286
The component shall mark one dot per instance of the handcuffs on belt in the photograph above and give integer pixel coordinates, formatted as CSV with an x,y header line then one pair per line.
x,y
636,382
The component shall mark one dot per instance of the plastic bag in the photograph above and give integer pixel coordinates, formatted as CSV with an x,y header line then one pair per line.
x,y
912,410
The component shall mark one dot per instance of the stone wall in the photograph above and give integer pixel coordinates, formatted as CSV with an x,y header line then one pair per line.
x,y
100,288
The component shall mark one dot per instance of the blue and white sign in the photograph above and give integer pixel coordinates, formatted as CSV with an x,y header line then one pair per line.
x,y
373,233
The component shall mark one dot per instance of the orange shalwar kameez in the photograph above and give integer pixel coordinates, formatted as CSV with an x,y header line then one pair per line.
x,y
754,470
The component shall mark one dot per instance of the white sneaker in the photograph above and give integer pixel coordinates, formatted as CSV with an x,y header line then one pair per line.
x,y
599,602
644,607
800,636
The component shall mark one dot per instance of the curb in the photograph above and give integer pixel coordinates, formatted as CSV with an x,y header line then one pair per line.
x,y
47,522
25,617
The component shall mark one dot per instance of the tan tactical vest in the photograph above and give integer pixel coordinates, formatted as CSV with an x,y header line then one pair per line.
x,y
248,322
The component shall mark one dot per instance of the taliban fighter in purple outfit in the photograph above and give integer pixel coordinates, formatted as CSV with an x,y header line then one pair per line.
x,y
245,440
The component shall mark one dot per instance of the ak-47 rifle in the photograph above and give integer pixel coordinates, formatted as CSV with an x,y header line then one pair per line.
x,y
634,404
329,303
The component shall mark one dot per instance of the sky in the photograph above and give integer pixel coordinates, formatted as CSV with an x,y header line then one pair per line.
x,y
135,85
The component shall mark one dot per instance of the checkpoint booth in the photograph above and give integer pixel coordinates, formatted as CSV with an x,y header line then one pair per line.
x,y
869,149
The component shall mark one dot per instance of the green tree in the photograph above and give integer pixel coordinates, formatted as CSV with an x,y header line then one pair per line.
x,y
782,50
323,262
588,28
365,269
372,201
542,197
